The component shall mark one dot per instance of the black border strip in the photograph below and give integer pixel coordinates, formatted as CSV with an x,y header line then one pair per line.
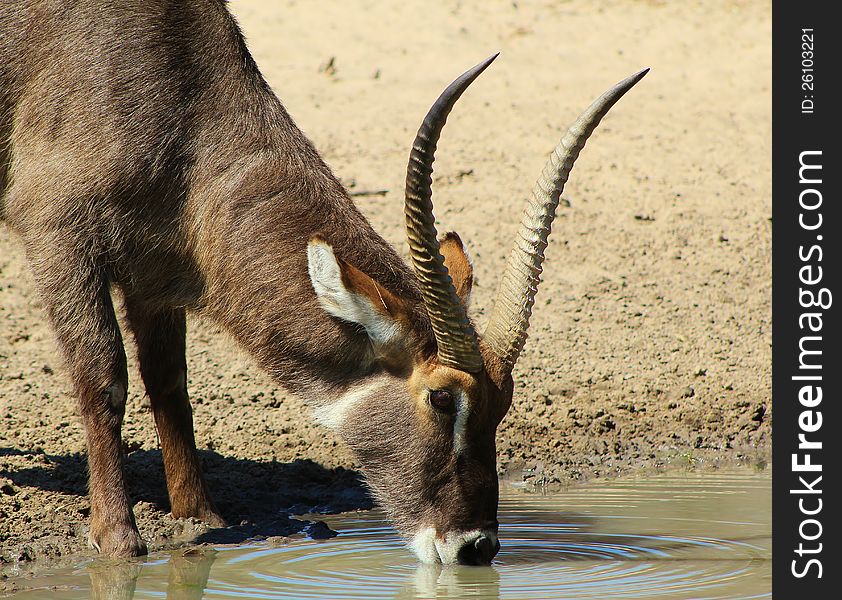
x,y
806,299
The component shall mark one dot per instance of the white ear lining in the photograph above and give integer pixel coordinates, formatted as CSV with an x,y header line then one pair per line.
x,y
342,303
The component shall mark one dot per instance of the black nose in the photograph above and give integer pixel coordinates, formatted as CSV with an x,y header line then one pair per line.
x,y
478,552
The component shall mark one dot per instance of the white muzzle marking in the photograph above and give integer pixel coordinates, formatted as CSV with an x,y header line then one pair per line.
x,y
431,549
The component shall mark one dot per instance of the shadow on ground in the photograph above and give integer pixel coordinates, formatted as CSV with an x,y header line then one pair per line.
x,y
255,497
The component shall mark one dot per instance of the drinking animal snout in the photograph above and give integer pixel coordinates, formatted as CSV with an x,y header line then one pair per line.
x,y
478,551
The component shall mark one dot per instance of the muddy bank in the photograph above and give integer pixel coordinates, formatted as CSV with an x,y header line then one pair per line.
x,y
650,343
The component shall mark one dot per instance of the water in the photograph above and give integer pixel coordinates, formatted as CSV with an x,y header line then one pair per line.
x,y
668,537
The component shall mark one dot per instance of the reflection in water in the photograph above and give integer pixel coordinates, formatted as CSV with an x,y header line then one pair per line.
x,y
187,578
676,537
433,581
189,574
113,580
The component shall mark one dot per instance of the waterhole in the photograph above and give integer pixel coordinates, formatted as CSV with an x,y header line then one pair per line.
x,y
667,536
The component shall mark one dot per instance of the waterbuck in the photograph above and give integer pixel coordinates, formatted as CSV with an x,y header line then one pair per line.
x,y
142,153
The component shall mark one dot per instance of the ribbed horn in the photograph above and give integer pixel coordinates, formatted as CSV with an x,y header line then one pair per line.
x,y
455,336
509,320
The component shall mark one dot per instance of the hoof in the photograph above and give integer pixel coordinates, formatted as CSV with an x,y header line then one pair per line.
x,y
213,519
117,541
201,510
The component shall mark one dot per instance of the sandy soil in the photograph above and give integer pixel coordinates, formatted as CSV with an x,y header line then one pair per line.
x,y
650,343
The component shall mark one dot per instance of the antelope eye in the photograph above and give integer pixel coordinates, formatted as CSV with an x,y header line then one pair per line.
x,y
442,400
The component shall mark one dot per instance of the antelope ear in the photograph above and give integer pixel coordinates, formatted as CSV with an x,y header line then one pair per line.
x,y
349,294
459,265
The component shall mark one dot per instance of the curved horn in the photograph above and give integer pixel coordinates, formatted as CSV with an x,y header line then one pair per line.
x,y
455,336
506,329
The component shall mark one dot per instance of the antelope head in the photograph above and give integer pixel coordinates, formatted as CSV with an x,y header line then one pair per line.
x,y
422,421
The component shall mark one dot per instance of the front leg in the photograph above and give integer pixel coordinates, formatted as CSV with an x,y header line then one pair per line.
x,y
113,528
160,337
76,295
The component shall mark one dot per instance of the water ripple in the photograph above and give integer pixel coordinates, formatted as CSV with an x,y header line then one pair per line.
x,y
637,539
667,537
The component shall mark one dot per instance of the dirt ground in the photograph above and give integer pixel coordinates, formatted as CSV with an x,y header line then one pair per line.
x,y
650,346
